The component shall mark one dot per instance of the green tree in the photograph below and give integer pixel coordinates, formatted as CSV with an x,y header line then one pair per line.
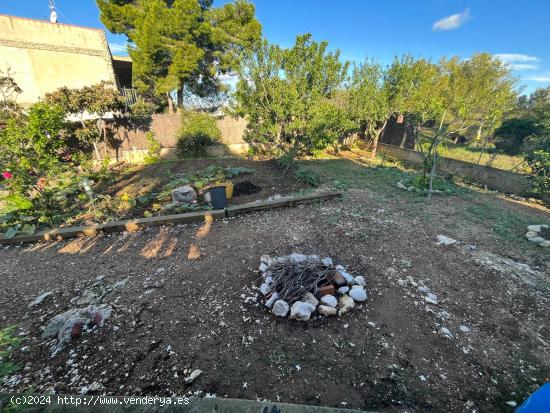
x,y
182,44
288,97
89,105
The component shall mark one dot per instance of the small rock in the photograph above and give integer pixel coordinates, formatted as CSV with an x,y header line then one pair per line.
x,y
339,280
327,262
301,311
431,298
401,185
537,240
184,195
264,288
360,280
446,332
410,188
193,376
280,308
536,228
263,267
329,300
465,329
545,243
274,297
423,289
343,290
327,289
326,310
511,403
345,304
358,293
443,240
531,234
38,300
310,298
297,258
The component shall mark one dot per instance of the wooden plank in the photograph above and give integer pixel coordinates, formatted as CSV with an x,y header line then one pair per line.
x,y
131,225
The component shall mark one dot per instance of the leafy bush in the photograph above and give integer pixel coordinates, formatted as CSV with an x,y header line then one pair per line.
x,y
198,131
153,150
308,176
510,136
8,343
538,160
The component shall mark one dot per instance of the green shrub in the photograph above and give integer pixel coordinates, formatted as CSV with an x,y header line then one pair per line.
x,y
510,136
153,150
198,131
307,176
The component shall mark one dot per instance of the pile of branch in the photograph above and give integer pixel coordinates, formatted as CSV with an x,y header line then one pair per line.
x,y
291,280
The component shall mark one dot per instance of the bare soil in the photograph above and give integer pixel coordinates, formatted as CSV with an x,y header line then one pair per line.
x,y
183,305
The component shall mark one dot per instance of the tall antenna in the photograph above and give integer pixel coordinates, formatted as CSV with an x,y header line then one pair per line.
x,y
53,14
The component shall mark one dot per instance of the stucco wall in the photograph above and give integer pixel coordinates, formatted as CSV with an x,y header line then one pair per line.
x,y
45,56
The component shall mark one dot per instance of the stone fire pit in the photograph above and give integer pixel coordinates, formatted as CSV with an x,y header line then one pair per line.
x,y
299,285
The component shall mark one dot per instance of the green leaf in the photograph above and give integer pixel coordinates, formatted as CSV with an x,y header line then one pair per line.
x,y
143,199
12,231
28,229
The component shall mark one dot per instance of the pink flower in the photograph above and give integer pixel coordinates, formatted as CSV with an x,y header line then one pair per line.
x,y
7,175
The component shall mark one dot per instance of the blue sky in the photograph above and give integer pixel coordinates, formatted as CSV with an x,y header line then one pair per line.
x,y
516,30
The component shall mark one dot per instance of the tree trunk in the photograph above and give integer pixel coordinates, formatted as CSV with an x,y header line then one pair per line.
x,y
180,98
376,139
170,103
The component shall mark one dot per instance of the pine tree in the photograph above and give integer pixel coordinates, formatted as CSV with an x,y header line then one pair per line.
x,y
182,44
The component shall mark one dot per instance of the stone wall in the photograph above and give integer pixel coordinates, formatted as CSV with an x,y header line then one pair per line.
x,y
493,178
45,56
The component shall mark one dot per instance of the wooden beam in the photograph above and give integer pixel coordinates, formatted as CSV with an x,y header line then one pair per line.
x,y
132,225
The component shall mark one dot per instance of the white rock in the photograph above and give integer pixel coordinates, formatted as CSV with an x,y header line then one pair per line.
x,y
40,298
274,297
193,376
301,310
343,290
531,234
326,310
345,304
358,293
545,243
401,185
327,262
423,289
446,332
536,228
431,298
310,298
280,308
360,280
536,240
329,300
266,259
264,288
511,403
348,277
443,240
465,329
263,267
297,258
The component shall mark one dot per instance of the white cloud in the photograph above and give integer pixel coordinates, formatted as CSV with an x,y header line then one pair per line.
x,y
118,48
519,61
516,58
540,79
523,66
452,22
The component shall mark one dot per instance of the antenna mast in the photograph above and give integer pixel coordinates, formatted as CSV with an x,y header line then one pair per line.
x,y
53,14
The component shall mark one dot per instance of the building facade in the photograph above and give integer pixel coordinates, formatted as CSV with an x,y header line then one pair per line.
x,y
44,56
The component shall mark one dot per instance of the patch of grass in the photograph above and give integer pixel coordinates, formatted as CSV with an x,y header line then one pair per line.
x,y
505,224
473,154
8,344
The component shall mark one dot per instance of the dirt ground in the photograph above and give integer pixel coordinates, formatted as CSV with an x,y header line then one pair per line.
x,y
182,303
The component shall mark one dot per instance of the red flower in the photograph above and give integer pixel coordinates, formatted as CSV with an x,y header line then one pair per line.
x,y
7,175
